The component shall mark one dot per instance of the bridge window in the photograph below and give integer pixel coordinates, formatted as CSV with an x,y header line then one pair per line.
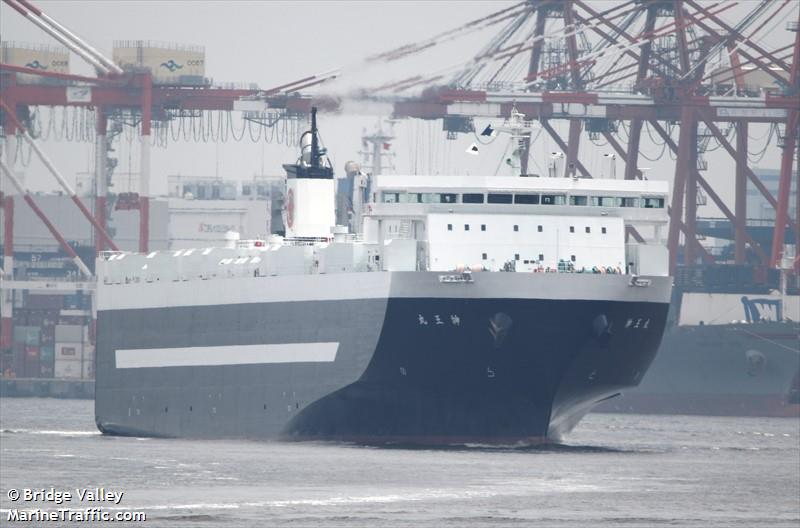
x,y
466,227
554,199
447,198
588,229
483,227
653,203
527,199
516,227
571,229
603,230
484,256
449,227
516,256
424,198
391,197
472,198
605,201
578,200
539,229
500,198
628,202
541,257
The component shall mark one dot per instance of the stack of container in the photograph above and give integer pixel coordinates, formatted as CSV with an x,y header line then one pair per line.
x,y
74,355
26,351
50,337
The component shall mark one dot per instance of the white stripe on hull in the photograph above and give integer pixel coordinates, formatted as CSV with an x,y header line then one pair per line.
x,y
226,355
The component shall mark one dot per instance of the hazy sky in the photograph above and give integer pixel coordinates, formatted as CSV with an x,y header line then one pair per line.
x,y
270,43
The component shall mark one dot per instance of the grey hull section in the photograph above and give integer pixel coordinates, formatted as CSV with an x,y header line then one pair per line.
x,y
250,400
503,358
736,369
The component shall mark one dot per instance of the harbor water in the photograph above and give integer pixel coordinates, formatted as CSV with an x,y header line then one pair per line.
x,y
615,470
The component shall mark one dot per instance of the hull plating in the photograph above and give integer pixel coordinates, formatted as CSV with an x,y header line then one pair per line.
x,y
408,368
737,370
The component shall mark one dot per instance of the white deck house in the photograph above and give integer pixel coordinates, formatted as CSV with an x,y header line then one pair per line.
x,y
445,223
527,224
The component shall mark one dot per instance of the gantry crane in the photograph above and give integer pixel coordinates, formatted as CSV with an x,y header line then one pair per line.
x,y
647,65
112,93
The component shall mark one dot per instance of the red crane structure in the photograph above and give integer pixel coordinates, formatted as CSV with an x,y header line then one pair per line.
x,y
650,64
130,97
115,93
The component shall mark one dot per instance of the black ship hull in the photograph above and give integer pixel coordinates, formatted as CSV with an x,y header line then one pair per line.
x,y
407,369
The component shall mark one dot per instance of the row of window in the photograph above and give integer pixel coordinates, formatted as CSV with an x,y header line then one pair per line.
x,y
539,228
524,199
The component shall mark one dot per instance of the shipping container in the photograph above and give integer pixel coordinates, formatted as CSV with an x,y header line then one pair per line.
x,y
52,315
48,335
35,318
71,333
754,79
32,352
74,368
88,369
18,359
67,369
31,369
168,63
20,334
66,319
47,352
6,362
69,351
27,335
34,336
72,301
35,56
46,370
44,302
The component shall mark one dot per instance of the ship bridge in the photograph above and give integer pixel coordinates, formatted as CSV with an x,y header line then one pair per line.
x,y
521,223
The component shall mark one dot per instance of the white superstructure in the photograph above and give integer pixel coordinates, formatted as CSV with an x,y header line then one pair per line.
x,y
418,223
521,224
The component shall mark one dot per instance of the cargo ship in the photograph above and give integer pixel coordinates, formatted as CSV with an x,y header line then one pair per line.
x,y
459,309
